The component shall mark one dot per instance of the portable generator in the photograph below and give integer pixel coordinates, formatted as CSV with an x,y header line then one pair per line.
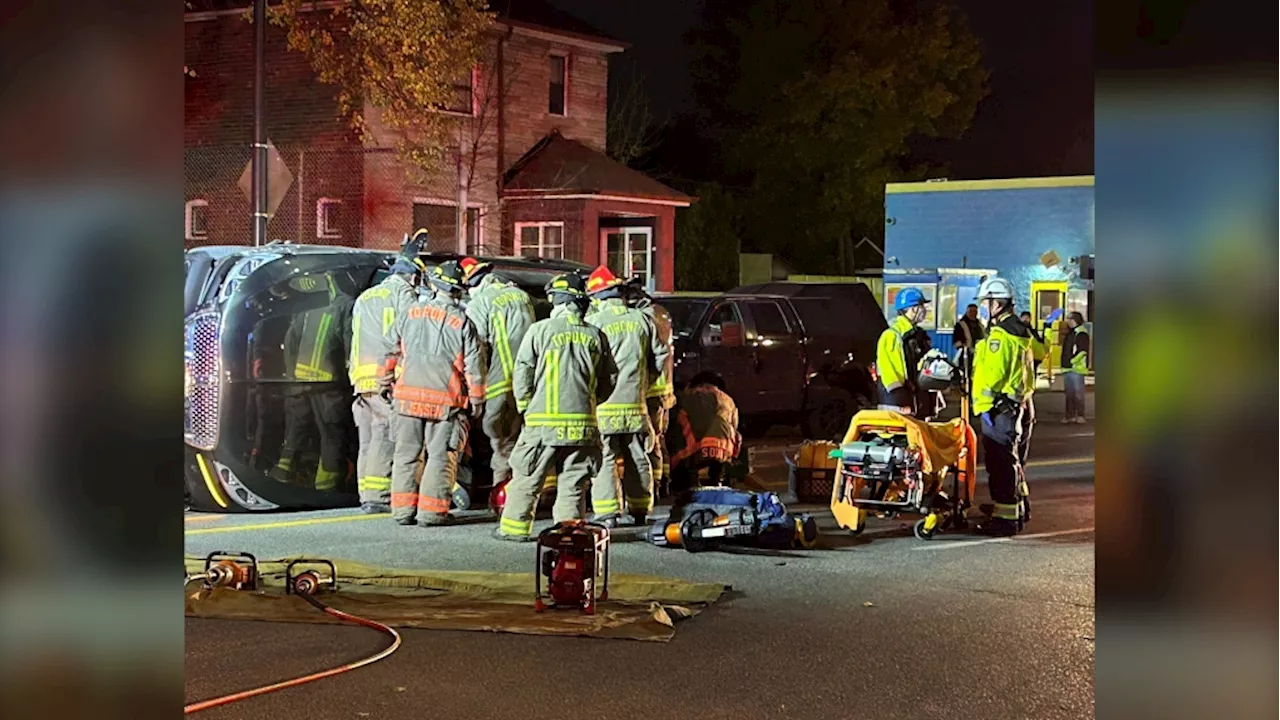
x,y
573,562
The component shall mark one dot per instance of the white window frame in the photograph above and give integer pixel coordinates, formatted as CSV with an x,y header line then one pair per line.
x,y
541,225
190,216
650,262
441,202
323,231
566,57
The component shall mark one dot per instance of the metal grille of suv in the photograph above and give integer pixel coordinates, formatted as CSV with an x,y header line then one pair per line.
x,y
203,364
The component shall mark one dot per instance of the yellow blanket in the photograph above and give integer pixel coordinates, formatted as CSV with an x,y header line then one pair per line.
x,y
940,444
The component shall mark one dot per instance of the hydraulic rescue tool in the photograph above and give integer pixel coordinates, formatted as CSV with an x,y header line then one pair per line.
x,y
573,559
239,571
703,518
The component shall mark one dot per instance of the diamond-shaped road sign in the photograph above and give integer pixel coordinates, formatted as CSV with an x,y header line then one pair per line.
x,y
278,179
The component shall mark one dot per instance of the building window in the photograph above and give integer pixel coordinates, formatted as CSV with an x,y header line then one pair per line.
x,y
328,218
197,219
463,99
440,219
540,239
559,84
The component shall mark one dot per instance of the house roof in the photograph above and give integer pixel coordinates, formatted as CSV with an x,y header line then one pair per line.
x,y
557,167
532,14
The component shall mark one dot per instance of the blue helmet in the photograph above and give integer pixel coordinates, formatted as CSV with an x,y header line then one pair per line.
x,y
909,298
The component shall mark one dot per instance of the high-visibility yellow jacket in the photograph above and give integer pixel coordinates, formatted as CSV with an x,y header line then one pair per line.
x,y
373,318
1075,351
563,371
502,314
891,358
441,361
1002,364
663,385
638,354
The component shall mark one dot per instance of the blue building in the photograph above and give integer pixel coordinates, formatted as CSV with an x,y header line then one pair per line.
x,y
945,236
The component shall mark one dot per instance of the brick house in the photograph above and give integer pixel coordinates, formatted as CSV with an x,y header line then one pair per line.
x,y
529,168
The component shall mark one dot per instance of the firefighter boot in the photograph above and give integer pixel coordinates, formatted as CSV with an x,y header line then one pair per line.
x,y
998,527
499,535
375,508
435,519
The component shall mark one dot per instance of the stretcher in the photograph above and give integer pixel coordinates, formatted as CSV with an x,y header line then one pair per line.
x,y
895,464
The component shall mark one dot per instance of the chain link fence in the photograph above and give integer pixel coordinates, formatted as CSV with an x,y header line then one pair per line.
x,y
350,196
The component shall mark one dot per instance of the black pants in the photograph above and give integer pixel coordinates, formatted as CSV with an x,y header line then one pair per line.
x,y
1001,447
685,475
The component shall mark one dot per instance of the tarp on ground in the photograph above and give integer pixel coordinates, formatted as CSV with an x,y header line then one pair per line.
x,y
639,607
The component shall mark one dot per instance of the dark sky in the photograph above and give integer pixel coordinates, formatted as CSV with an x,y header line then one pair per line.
x,y
1037,120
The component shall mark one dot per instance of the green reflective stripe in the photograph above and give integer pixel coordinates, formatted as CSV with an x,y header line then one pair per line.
x,y
640,503
503,346
615,409
388,319
1006,511
559,420
326,479
355,342
552,380
516,527
522,405
605,507
307,372
317,349
1023,489
497,389
373,483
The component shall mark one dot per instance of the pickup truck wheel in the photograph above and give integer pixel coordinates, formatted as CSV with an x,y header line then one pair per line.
x,y
831,419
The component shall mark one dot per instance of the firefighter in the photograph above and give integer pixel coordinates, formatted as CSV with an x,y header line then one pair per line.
x,y
442,374
704,432
1002,387
316,348
899,351
628,436
661,395
502,313
563,370
373,320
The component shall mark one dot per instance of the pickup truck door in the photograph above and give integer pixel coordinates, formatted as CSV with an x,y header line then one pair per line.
x,y
775,352
723,342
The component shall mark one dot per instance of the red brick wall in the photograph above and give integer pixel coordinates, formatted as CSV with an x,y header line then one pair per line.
x,y
577,245
663,218
527,119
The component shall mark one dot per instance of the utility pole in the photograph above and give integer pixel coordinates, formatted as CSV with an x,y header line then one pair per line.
x,y
259,123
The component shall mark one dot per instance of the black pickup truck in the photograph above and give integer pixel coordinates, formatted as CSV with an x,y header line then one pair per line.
x,y
790,353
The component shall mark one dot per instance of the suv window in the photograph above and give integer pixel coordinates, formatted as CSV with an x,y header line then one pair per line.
x,y
768,319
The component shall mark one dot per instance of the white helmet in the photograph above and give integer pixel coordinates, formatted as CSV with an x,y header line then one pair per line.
x,y
996,289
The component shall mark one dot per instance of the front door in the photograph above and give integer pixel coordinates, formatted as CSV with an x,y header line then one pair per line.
x,y
1049,299
628,252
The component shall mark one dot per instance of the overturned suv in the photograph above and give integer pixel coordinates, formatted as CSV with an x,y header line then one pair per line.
x,y
267,416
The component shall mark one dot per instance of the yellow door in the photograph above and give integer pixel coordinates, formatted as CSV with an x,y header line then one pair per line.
x,y
1048,296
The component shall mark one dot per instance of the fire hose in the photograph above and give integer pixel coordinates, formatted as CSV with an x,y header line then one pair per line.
x,y
227,573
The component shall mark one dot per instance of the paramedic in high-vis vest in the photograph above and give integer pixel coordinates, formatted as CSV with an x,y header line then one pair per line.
x,y
316,348
563,371
623,418
1002,387
373,321
898,353
441,379
1075,365
502,314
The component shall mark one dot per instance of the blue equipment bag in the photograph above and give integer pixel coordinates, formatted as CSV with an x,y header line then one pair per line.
x,y
704,517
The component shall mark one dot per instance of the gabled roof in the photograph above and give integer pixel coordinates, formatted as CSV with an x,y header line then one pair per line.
x,y
557,167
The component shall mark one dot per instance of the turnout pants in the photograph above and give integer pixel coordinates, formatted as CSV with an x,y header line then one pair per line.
x,y
309,413
417,490
659,417
373,414
1028,422
502,423
636,481
1001,442
531,462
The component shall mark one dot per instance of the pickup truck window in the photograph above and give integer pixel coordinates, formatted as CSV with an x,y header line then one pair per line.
x,y
768,319
725,326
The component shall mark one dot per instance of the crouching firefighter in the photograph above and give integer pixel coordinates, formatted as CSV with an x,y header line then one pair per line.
x,y
899,351
628,435
562,371
704,432
373,322
502,313
443,375
1002,377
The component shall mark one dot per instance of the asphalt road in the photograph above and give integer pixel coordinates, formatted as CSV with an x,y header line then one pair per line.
x,y
956,627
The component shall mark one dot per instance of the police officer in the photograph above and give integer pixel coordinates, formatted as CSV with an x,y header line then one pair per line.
x,y
373,321
502,313
442,376
661,396
898,353
1002,388
563,370
628,435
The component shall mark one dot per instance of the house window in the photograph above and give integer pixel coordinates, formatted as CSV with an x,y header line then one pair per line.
x,y
463,98
559,82
328,218
441,222
197,219
541,239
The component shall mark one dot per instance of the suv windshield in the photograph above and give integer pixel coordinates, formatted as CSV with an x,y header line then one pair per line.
x,y
684,312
